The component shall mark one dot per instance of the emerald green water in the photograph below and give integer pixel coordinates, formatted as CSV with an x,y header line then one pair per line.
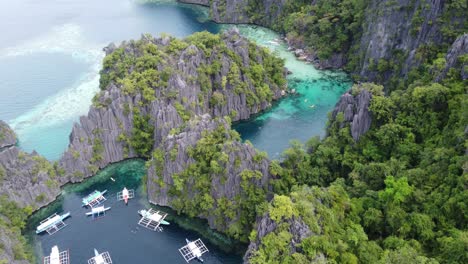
x,y
118,231
299,116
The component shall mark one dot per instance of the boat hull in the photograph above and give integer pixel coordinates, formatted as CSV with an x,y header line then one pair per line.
x,y
44,228
100,212
143,213
87,200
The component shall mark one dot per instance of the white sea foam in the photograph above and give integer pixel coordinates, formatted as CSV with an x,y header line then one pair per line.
x,y
67,39
72,101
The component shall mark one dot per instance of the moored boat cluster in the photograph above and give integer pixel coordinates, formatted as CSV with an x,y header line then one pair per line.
x,y
150,219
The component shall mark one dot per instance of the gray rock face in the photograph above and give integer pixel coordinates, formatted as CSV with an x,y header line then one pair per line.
x,y
458,48
9,240
7,136
237,11
391,29
181,113
297,228
356,112
108,119
102,137
224,185
102,126
27,180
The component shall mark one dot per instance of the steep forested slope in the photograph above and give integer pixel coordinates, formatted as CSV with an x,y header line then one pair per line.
x,y
396,194
380,41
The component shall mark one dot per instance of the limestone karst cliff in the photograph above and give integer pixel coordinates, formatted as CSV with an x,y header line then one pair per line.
x,y
169,81
161,96
375,40
27,182
206,171
354,107
7,136
456,59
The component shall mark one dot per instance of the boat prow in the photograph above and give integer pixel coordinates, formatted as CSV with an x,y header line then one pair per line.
x,y
98,210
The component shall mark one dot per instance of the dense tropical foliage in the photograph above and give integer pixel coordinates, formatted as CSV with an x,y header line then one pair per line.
x,y
397,195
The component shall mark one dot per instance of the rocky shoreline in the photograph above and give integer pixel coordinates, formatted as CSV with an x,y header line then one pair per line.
x,y
105,135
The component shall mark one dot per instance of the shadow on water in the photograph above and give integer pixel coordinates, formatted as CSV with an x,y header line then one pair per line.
x,y
118,231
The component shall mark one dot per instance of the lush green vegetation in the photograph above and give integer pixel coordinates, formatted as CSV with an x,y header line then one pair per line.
x,y
327,26
143,68
192,190
12,221
142,139
397,195
335,26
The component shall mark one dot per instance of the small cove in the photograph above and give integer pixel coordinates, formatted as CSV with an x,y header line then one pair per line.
x,y
301,115
73,40
118,231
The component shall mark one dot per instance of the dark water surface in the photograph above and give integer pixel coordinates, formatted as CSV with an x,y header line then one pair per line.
x,y
117,231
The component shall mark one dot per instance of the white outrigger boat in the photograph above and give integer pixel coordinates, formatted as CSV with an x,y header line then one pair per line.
x,y
193,249
52,223
57,257
98,211
94,198
152,219
125,194
100,258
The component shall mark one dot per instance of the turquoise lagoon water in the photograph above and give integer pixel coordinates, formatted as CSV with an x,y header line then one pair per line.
x,y
299,116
